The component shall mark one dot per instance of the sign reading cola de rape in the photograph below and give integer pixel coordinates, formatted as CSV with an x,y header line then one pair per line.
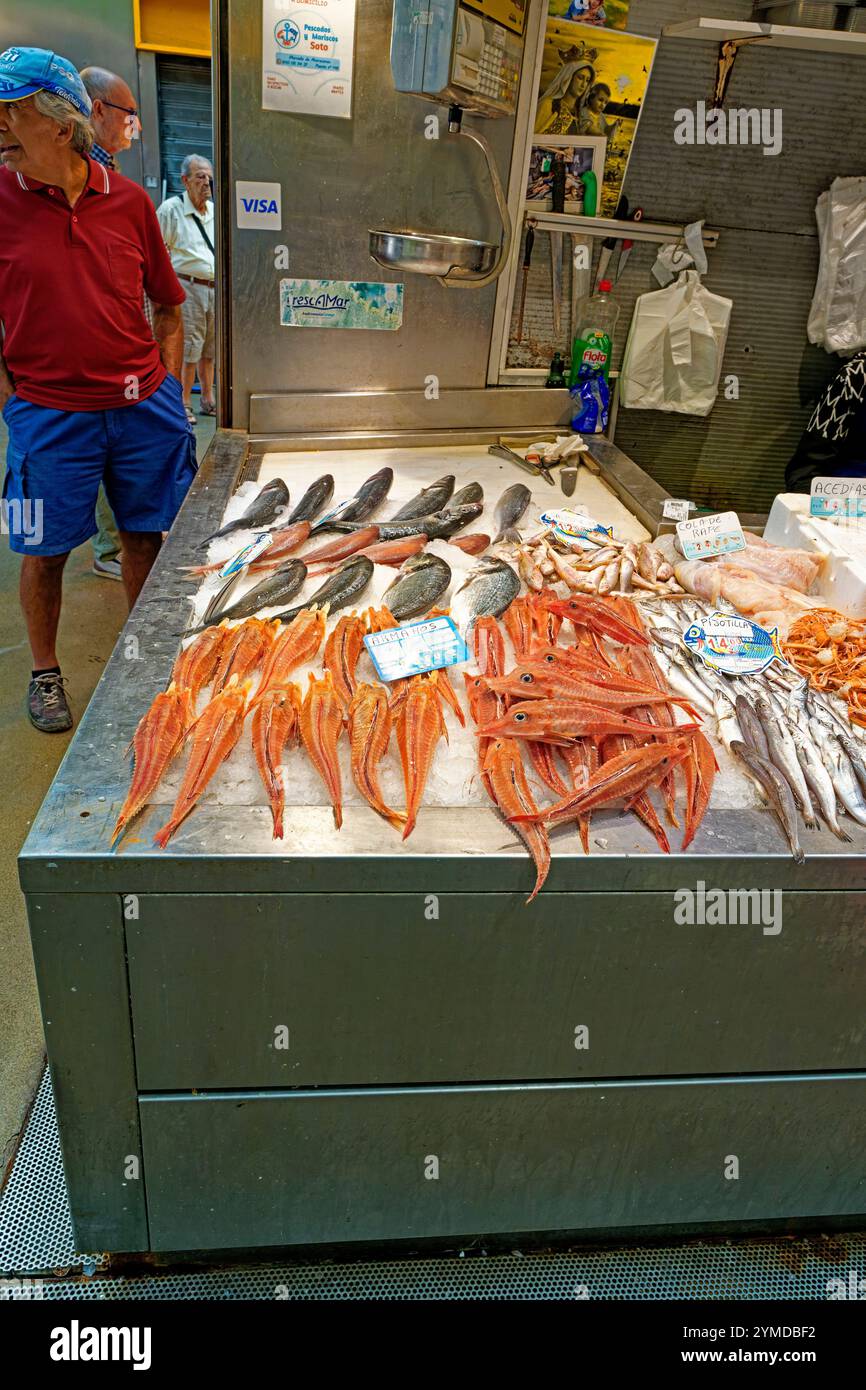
x,y
307,54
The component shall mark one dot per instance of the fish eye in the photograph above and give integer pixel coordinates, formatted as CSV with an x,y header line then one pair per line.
x,y
527,678
550,658
519,717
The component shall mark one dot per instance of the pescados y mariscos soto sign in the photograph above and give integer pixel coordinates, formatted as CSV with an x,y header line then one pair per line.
x,y
307,56
340,304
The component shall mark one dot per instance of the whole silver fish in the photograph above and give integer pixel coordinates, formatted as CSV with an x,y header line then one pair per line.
x,y
680,679
854,753
844,779
279,587
265,507
509,509
365,501
779,793
726,719
751,726
317,496
490,587
784,755
819,780
472,492
344,586
422,580
428,501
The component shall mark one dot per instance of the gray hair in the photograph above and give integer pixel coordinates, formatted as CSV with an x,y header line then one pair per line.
x,y
65,114
190,160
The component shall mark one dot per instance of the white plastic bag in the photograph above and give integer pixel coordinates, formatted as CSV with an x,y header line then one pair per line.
x,y
837,318
676,343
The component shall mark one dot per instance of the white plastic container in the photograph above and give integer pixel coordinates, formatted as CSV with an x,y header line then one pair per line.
x,y
843,582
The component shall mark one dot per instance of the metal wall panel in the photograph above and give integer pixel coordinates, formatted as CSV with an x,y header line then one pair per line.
x,y
340,178
247,1169
474,997
185,126
765,262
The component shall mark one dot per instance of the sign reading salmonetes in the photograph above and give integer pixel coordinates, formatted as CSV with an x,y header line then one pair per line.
x,y
258,205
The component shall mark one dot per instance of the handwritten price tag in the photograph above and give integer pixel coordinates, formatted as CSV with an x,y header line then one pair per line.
x,y
721,534
838,497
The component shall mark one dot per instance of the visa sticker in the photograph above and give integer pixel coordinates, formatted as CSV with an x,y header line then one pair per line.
x,y
720,534
428,645
249,553
733,645
571,527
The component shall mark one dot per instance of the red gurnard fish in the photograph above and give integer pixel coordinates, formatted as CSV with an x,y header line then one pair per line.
x,y
562,721
245,651
503,767
700,768
342,650
295,646
369,735
321,726
159,735
195,666
213,736
583,610
275,728
621,778
420,726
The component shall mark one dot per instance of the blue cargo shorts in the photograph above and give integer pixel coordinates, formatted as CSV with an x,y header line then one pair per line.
x,y
143,452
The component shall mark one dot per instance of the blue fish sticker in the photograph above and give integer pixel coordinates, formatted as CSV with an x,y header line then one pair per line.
x,y
733,645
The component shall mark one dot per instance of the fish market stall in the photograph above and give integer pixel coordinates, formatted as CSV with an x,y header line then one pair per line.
x,y
344,1035
346,955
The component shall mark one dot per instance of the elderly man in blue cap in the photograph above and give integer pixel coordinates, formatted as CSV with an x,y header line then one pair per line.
x,y
88,392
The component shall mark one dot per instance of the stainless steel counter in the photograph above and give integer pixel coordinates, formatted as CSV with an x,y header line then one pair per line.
x,y
426,1012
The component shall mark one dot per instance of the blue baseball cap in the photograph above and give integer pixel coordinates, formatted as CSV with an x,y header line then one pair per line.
x,y
24,71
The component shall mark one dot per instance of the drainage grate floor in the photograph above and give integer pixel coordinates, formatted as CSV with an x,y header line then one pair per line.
x,y
36,1239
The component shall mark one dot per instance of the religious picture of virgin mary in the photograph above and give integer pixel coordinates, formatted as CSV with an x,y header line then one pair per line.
x,y
593,81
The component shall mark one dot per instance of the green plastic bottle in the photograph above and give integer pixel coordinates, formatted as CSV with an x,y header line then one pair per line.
x,y
593,341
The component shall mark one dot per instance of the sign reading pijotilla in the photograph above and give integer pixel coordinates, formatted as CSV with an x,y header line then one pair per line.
x,y
733,645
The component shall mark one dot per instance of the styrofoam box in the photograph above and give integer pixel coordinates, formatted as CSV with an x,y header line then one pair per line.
x,y
843,583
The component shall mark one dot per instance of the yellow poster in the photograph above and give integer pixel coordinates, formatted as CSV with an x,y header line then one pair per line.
x,y
593,82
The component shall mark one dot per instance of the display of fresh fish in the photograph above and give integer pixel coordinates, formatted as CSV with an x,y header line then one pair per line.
x,y
342,650
365,501
274,728
422,580
295,646
196,664
265,507
419,725
562,721
316,497
321,724
473,544
342,588
509,509
472,492
488,590
778,793
212,738
506,778
279,586
245,651
157,738
369,735
428,501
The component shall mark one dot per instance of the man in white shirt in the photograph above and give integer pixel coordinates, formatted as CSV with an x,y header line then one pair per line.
x,y
187,224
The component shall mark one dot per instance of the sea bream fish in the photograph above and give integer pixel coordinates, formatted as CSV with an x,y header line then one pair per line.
x,y
264,509
423,579
317,496
509,509
428,501
365,501
279,587
490,587
342,588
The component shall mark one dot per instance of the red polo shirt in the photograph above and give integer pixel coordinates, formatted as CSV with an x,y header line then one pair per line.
x,y
71,283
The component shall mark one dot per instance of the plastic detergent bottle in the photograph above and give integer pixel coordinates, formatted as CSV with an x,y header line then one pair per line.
x,y
593,339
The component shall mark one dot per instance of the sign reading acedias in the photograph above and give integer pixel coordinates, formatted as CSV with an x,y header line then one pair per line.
x,y
259,205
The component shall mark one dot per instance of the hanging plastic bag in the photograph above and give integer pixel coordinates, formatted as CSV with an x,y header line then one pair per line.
x,y
676,343
837,318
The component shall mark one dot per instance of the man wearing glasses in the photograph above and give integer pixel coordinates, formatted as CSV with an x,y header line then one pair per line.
x,y
114,118
187,226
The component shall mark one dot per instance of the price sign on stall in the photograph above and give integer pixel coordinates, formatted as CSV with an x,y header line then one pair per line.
x,y
721,534
415,648
838,497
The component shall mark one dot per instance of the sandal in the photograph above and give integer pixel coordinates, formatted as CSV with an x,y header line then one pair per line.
x,y
207,409
190,415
